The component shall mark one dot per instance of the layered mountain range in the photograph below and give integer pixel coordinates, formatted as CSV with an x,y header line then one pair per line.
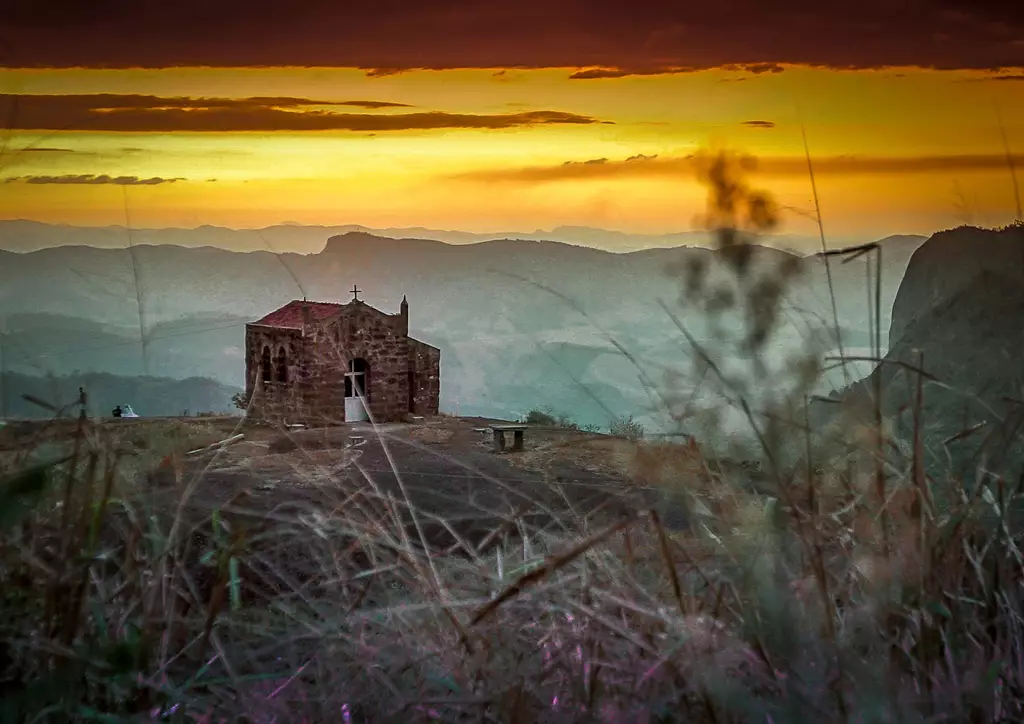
x,y
521,323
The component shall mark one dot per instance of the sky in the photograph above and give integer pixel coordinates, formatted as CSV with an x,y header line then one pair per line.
x,y
509,116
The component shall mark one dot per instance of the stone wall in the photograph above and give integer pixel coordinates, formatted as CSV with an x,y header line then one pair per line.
x,y
425,376
403,374
274,398
364,333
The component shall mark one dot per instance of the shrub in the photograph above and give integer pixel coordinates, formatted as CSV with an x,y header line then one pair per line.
x,y
538,417
551,419
626,427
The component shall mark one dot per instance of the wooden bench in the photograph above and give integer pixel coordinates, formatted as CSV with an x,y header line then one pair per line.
x,y
499,431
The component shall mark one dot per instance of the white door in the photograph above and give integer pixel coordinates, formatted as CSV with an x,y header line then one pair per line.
x,y
356,392
355,410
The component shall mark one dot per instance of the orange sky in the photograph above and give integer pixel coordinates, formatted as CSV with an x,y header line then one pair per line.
x,y
896,150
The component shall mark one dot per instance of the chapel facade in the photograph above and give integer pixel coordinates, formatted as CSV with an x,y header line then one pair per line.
x,y
324,363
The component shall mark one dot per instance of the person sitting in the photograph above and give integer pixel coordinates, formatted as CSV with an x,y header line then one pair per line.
x,y
117,411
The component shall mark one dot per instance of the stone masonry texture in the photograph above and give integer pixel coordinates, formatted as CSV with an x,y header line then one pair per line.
x,y
297,357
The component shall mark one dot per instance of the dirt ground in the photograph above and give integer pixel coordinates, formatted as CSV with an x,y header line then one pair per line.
x,y
442,468
445,469
446,463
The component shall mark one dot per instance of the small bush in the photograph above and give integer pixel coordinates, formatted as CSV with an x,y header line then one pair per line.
x,y
627,427
537,417
559,419
564,421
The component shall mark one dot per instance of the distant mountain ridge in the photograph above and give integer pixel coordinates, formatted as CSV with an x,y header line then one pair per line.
x,y
176,281
510,315
26,236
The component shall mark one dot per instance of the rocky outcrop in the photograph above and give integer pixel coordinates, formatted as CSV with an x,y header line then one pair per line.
x,y
959,318
950,261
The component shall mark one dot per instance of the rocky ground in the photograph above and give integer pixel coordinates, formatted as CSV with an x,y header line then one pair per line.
x,y
444,470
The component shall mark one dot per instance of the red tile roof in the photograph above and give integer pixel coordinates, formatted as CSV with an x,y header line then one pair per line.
x,y
290,315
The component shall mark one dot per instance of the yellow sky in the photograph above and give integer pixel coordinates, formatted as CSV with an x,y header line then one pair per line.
x,y
513,179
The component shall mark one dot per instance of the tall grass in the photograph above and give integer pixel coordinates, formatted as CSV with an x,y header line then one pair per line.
x,y
142,582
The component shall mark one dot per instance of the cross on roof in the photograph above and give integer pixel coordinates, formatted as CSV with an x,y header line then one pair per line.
x,y
355,292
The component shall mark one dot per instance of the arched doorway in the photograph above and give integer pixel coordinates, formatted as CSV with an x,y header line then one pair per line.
x,y
357,391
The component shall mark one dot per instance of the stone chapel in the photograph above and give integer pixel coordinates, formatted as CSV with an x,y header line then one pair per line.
x,y
324,363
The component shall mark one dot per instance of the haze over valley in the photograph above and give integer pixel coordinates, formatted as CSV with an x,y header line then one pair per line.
x,y
521,324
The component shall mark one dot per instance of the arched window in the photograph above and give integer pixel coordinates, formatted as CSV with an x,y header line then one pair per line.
x,y
357,379
265,365
282,365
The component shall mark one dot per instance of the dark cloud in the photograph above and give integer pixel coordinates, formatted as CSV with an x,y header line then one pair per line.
x,y
685,166
757,68
759,124
393,35
591,162
111,103
995,77
44,149
141,113
372,105
90,180
10,156
601,73
38,154
504,76
385,72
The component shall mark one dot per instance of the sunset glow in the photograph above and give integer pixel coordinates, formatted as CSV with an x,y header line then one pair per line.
x,y
500,150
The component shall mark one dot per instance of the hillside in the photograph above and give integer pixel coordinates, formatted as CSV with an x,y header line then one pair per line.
x,y
958,316
148,396
504,312
194,346
105,285
950,261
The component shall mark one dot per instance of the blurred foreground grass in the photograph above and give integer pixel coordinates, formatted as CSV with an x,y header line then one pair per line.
x,y
133,595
